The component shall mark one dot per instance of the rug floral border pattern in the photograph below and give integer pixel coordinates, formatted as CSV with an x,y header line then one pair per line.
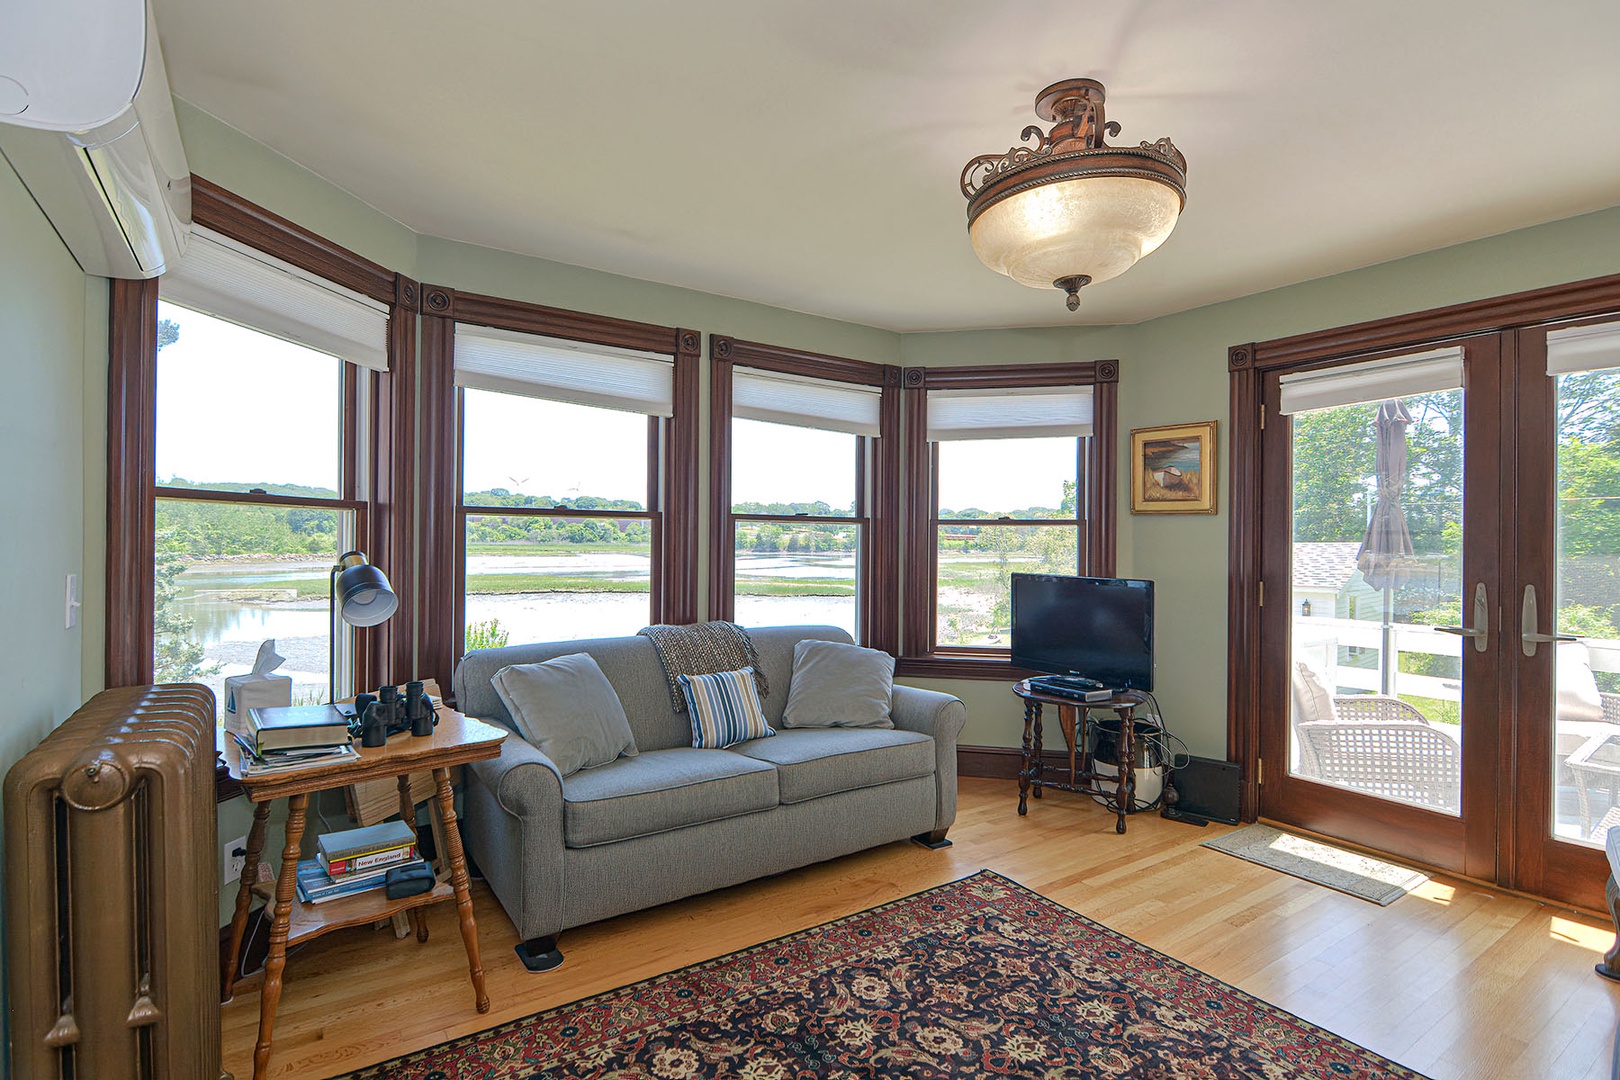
x,y
1128,1009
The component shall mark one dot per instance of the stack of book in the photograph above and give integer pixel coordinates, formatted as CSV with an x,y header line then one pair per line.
x,y
293,737
355,861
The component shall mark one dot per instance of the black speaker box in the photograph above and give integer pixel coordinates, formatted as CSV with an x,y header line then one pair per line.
x,y
1207,790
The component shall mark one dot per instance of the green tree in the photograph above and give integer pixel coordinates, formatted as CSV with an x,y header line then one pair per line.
x,y
176,655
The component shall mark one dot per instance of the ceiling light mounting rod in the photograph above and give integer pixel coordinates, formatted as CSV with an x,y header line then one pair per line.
x,y
1071,210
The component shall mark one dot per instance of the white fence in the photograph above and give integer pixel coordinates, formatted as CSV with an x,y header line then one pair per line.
x,y
1317,642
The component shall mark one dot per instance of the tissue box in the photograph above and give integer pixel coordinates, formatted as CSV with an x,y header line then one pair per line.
x,y
244,692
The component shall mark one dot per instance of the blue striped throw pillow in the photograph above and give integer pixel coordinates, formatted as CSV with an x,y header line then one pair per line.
x,y
724,708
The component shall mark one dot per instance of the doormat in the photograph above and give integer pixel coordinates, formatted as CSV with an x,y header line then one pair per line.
x,y
980,977
1368,879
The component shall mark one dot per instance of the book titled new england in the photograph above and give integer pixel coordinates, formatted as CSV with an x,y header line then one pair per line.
x,y
359,851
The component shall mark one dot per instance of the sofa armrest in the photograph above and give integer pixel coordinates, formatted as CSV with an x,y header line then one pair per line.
x,y
525,781
942,717
513,825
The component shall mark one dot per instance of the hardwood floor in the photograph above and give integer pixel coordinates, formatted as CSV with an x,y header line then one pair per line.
x,y
1454,980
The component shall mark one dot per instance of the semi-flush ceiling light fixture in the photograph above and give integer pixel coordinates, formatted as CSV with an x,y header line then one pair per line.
x,y
1071,211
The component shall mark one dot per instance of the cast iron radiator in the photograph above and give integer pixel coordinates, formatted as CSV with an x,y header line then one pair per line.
x,y
112,882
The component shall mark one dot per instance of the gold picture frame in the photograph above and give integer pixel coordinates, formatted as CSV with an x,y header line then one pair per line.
x,y
1174,469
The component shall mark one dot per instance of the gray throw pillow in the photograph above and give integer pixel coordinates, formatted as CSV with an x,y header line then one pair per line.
x,y
838,685
567,708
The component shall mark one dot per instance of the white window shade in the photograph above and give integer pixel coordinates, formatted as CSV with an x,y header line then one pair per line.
x,y
1029,412
1374,380
780,398
1583,348
231,281
558,369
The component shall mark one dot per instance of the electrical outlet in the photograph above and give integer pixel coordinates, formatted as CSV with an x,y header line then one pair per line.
x,y
233,862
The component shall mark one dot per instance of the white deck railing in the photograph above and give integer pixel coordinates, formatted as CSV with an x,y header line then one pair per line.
x,y
1318,639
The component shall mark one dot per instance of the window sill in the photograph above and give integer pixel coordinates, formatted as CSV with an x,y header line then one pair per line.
x,y
989,666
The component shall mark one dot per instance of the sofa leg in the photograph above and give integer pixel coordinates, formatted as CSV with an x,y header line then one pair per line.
x,y
933,840
540,954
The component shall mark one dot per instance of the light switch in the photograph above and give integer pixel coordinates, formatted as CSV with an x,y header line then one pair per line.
x,y
71,616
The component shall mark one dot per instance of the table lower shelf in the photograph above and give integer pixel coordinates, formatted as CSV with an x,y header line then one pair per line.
x,y
309,921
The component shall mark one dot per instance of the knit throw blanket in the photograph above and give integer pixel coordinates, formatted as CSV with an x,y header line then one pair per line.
x,y
703,649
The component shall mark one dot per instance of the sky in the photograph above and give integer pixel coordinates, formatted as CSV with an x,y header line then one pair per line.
x,y
238,406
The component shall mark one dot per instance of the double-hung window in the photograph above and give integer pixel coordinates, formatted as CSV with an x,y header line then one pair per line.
x,y
263,372
560,503
559,491
802,481
1010,474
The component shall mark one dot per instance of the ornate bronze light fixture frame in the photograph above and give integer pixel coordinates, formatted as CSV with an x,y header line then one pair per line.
x,y
1072,150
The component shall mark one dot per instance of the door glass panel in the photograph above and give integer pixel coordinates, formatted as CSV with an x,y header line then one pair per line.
x,y
1586,704
1376,691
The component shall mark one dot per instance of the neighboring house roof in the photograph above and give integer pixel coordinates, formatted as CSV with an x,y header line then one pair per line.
x,y
1328,567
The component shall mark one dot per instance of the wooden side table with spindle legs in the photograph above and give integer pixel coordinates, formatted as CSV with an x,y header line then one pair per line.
x,y
457,740
1118,787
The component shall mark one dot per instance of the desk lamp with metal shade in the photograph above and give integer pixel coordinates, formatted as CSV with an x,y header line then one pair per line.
x,y
361,596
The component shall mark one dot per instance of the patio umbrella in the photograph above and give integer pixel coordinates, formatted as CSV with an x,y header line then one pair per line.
x,y
1385,557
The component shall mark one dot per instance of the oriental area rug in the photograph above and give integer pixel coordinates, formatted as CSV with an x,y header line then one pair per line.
x,y
977,978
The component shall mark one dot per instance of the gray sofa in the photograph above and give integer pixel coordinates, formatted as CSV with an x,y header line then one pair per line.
x,y
674,821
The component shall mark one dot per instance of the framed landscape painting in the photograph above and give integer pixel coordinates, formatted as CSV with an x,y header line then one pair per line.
x,y
1173,469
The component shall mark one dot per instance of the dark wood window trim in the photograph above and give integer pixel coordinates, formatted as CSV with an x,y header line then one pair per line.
x,y
1100,497
443,569
1248,365
877,503
384,517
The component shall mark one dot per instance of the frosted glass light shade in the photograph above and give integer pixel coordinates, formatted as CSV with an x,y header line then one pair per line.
x,y
1098,225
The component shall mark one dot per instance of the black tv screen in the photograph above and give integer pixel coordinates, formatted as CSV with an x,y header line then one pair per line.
x,y
1097,628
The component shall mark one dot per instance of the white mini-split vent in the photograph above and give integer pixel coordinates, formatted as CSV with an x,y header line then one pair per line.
x,y
1372,380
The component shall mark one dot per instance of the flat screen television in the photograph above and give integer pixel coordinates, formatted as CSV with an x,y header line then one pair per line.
x,y
1096,628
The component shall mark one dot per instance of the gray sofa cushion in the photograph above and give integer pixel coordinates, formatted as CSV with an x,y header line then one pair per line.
x,y
775,647
567,710
659,790
812,762
838,685
630,664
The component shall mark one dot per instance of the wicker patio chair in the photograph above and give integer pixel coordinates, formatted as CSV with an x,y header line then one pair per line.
x,y
1415,762
1375,743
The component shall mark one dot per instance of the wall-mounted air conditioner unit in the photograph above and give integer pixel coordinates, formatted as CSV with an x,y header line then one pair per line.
x,y
87,122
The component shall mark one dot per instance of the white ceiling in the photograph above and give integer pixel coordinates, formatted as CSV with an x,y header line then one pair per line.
x,y
806,154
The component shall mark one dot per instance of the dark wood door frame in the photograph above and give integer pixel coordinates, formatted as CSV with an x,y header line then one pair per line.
x,y
1462,844
1252,456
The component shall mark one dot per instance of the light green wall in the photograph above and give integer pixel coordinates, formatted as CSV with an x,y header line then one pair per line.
x,y
42,439
47,338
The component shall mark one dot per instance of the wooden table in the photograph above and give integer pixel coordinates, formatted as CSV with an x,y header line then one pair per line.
x,y
1083,777
457,740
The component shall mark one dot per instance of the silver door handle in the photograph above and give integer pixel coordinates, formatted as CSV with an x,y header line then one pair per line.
x,y
1529,636
1480,632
